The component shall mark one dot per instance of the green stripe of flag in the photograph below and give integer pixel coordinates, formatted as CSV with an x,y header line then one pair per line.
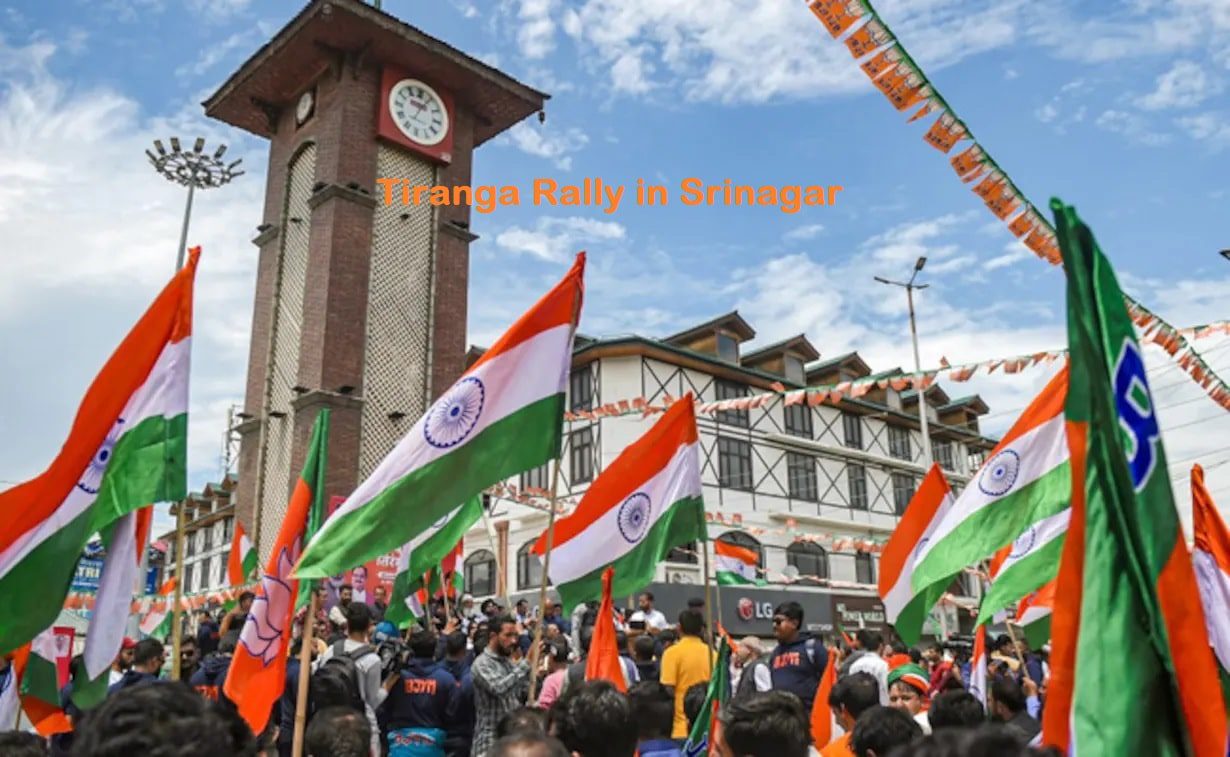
x,y
427,556
1028,574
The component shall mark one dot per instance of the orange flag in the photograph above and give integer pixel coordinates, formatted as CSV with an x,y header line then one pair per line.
x,y
836,15
823,726
258,669
603,660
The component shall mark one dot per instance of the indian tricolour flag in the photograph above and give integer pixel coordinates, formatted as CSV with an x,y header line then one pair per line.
x,y
1029,562
734,565
978,666
242,561
126,449
645,503
424,553
1026,479
904,608
1033,614
112,604
502,417
1211,559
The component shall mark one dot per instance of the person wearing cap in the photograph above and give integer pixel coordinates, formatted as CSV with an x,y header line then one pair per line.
x,y
749,669
907,691
122,661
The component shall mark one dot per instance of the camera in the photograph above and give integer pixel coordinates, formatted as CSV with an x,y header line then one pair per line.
x,y
394,655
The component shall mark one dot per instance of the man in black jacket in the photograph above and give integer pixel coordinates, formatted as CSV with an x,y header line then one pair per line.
x,y
799,659
423,701
147,660
1008,706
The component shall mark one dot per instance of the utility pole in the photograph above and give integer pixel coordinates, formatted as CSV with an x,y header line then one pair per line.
x,y
909,287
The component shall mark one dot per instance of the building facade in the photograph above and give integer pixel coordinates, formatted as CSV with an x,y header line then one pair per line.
x,y
839,474
209,525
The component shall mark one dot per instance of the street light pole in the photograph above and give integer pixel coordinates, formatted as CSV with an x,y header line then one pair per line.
x,y
909,287
193,169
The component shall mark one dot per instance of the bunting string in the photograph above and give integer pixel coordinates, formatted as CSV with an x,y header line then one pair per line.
x,y
884,60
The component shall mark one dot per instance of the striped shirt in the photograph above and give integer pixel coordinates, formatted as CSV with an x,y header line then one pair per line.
x,y
500,686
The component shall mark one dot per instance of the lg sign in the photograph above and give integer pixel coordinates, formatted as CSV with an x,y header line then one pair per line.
x,y
749,610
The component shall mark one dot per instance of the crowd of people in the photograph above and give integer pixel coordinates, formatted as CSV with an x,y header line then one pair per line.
x,y
460,684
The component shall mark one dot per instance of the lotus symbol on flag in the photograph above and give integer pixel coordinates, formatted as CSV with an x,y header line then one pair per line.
x,y
1000,473
262,635
455,415
91,477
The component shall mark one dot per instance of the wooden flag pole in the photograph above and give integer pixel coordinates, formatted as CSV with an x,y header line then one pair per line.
x,y
177,624
986,570
305,674
542,592
444,593
713,637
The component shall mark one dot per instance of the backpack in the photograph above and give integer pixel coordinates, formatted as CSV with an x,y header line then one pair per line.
x,y
336,681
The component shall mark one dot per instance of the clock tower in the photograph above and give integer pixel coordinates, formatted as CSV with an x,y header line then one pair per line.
x,y
360,307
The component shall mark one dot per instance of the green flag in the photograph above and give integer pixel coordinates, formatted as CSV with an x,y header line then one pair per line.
x,y
424,554
1133,673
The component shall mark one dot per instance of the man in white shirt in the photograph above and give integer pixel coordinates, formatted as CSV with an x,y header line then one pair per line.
x,y
654,620
123,661
866,659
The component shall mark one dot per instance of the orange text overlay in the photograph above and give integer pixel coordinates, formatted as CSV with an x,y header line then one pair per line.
x,y
594,192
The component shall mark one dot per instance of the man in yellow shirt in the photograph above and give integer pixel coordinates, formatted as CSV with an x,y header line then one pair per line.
x,y
685,664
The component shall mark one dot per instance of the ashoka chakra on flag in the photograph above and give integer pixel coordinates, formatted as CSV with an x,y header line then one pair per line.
x,y
456,414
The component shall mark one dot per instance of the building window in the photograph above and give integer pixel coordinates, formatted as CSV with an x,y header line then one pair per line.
x,y
745,540
864,568
801,476
899,442
943,455
207,536
903,491
728,390
852,425
537,478
734,463
581,389
684,553
857,476
794,369
727,348
809,558
188,575
529,567
798,420
480,573
581,455
227,524
975,459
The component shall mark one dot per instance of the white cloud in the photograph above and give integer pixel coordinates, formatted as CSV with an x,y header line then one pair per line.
x,y
219,10
87,249
536,35
1047,113
1211,128
1185,85
737,51
542,141
1131,126
557,239
214,54
803,233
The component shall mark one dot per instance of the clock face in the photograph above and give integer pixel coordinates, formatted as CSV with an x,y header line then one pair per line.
x,y
418,112
304,109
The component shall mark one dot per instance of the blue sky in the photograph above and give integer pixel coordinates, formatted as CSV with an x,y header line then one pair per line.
x,y
1119,108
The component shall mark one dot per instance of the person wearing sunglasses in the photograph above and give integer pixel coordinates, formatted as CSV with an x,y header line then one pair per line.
x,y
799,658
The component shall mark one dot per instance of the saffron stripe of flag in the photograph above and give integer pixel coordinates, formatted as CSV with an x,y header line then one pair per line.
x,y
258,670
603,661
824,726
502,417
904,608
242,561
1026,564
1129,680
645,503
1033,614
1025,479
127,448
